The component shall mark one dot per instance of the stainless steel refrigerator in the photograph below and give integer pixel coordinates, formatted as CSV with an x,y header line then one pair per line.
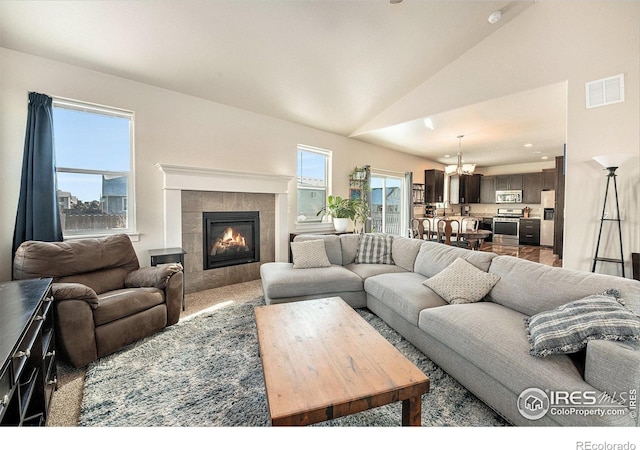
x,y
548,200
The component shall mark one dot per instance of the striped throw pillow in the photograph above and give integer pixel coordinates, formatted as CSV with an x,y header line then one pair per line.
x,y
374,248
568,328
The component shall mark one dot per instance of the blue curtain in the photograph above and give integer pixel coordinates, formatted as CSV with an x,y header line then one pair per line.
x,y
38,217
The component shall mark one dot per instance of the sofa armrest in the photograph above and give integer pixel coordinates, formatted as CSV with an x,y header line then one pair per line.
x,y
75,331
614,368
174,293
74,291
156,276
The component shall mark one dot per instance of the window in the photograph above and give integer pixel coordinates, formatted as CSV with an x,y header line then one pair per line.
x,y
314,177
388,204
94,154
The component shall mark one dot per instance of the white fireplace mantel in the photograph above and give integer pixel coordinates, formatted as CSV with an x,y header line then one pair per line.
x,y
184,178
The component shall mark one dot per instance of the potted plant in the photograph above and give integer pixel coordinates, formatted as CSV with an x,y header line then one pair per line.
x,y
361,216
341,210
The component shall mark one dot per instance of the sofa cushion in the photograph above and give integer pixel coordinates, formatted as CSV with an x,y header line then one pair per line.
x,y
349,247
406,302
462,282
35,259
374,248
121,303
434,257
531,288
280,280
331,245
309,254
568,328
369,270
404,251
492,338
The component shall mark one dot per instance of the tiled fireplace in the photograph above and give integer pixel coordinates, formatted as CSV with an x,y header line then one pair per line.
x,y
245,215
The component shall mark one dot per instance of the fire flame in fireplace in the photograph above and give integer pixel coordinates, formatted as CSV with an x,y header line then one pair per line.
x,y
230,241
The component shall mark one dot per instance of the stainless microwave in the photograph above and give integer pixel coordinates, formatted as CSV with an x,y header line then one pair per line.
x,y
509,196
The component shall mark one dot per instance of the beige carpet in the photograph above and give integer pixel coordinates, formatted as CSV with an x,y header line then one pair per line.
x,y
65,406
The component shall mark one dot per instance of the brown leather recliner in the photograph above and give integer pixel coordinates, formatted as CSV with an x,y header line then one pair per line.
x,y
103,300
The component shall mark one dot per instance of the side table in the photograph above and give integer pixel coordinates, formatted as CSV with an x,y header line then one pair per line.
x,y
169,255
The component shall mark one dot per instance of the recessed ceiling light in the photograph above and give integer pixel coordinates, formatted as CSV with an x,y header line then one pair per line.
x,y
528,145
447,156
536,152
429,123
544,157
494,17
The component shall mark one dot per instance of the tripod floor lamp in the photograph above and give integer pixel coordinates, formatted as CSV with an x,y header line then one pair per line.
x,y
610,163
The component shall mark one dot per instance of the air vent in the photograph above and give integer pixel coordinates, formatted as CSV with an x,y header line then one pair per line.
x,y
605,92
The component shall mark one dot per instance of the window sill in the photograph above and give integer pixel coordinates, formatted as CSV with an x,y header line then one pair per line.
x,y
133,235
314,227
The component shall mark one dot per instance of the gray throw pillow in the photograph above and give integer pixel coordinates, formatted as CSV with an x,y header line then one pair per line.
x,y
568,328
374,248
309,254
462,282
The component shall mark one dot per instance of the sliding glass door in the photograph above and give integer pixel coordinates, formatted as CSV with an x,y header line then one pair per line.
x,y
388,204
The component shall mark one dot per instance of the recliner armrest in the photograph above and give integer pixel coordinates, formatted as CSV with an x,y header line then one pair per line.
x,y
74,291
156,276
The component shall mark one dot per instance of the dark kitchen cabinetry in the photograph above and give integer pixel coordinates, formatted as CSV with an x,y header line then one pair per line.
x,y
509,182
548,179
532,186
27,352
529,232
465,189
434,185
488,190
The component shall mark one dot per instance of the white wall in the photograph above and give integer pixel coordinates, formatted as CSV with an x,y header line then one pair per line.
x,y
551,42
171,128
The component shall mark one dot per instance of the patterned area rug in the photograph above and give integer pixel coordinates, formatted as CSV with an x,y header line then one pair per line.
x,y
206,371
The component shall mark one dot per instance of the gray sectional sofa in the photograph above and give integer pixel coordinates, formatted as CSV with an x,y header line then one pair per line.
x,y
483,345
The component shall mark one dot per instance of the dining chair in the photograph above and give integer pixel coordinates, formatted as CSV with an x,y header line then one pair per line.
x,y
448,230
468,224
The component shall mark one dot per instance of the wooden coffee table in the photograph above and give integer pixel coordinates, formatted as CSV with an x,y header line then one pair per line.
x,y
321,360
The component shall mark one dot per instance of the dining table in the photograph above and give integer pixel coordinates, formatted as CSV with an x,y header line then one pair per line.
x,y
475,238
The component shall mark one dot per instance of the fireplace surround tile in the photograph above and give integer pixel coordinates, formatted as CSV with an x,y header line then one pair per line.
x,y
194,203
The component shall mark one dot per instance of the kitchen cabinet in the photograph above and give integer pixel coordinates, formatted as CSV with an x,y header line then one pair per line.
x,y
548,179
532,186
509,182
434,185
488,190
465,189
529,232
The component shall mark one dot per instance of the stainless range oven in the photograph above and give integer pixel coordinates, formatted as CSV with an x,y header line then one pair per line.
x,y
506,226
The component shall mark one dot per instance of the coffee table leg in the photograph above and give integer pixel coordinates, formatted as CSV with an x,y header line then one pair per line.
x,y
412,411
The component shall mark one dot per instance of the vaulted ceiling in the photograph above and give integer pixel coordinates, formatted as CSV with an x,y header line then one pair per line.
x,y
332,65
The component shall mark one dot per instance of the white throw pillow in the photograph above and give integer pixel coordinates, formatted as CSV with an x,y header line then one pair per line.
x,y
462,282
309,254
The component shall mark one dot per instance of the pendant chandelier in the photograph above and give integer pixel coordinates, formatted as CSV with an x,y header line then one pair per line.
x,y
460,169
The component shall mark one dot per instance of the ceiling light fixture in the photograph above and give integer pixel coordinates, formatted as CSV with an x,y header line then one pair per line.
x,y
429,123
460,169
494,17
395,2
